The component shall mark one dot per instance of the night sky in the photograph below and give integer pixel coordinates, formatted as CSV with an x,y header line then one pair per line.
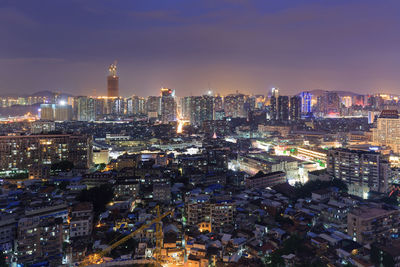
x,y
226,45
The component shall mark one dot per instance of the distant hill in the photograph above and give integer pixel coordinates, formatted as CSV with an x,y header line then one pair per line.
x,y
44,93
319,92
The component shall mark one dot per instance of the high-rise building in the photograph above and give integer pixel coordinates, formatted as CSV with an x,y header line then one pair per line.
x,y
234,106
306,98
135,105
46,112
283,108
387,131
362,171
273,104
295,108
168,105
332,102
153,106
112,81
23,152
55,112
347,101
85,108
186,103
371,117
201,109
218,103
358,100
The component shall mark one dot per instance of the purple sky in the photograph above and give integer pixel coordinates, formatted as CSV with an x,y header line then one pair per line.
x,y
187,45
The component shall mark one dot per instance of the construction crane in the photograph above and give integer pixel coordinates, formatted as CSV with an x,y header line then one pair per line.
x,y
97,258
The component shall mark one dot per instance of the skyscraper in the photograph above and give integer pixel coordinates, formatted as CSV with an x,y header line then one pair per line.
x,y
306,102
153,107
112,81
283,108
85,108
234,106
273,114
201,109
168,105
295,108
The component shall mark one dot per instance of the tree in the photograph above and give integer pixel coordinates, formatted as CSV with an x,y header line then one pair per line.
x,y
62,166
374,254
63,185
99,196
3,262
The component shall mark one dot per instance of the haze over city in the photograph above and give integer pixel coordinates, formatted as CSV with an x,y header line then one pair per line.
x,y
191,46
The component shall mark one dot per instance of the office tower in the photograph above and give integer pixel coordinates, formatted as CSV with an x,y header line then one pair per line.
x,y
23,152
387,131
362,171
234,106
332,103
201,109
168,105
283,108
153,106
295,108
112,81
85,108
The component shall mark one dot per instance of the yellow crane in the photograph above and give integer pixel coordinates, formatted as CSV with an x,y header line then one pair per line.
x,y
96,258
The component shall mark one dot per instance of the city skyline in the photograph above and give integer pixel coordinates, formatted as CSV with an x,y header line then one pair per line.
x,y
229,46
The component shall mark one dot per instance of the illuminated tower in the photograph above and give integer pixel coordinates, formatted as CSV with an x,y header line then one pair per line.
x,y
112,81
168,105
274,103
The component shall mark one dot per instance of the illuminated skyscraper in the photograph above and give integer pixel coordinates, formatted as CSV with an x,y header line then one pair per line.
x,y
168,105
306,102
112,81
273,114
